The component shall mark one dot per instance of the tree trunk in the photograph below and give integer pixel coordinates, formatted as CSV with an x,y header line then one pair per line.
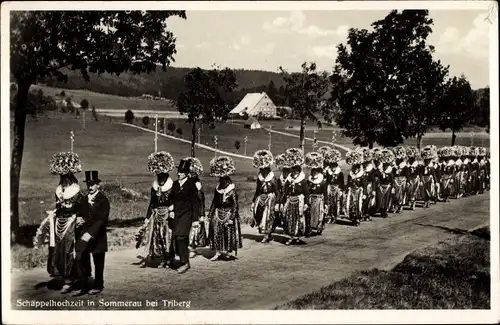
x,y
302,132
193,137
453,137
419,141
17,157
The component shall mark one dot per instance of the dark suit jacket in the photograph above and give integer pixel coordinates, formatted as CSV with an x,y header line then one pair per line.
x,y
96,220
186,207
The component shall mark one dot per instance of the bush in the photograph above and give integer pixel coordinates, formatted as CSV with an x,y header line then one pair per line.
x,y
27,258
84,104
63,93
145,120
237,145
179,131
94,114
129,117
171,127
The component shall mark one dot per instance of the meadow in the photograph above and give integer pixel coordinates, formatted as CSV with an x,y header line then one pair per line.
x,y
105,101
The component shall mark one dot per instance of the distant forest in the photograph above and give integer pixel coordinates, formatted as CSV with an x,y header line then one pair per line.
x,y
170,84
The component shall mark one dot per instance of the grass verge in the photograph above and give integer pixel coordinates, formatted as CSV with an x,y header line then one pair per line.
x,y
454,274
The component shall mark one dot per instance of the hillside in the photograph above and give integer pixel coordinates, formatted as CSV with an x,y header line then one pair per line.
x,y
165,84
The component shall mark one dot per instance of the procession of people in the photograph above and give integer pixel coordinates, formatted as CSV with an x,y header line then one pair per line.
x,y
176,224
380,181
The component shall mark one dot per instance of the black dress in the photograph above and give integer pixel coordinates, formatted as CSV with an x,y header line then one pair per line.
x,y
157,229
264,199
225,227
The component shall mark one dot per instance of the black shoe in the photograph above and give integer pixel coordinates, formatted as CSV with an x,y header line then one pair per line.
x,y
184,268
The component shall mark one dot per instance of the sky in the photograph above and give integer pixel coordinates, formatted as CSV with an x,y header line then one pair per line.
x,y
265,40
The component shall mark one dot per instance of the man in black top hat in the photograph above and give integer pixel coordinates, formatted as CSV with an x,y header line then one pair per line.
x,y
94,209
184,198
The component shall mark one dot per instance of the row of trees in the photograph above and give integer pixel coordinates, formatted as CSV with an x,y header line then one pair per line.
x,y
386,86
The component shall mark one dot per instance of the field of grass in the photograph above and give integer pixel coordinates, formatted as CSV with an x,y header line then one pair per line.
x,y
455,274
228,133
479,138
105,101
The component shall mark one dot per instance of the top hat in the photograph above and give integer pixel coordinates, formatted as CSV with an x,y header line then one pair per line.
x,y
184,166
92,176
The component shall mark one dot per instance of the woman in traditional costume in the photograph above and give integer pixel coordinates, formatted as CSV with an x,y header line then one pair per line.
x,y
281,163
198,234
427,190
488,171
335,182
458,176
401,176
378,167
465,171
482,169
295,198
369,173
225,227
414,174
447,173
355,186
474,170
265,201
436,164
60,226
318,194
157,228
386,179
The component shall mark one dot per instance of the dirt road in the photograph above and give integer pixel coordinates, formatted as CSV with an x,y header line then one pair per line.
x,y
269,274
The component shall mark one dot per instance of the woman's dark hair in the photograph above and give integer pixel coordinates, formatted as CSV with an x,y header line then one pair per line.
x,y
316,170
296,168
224,181
68,179
265,170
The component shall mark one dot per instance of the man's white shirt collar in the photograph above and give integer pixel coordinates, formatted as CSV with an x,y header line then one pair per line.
x,y
91,197
181,182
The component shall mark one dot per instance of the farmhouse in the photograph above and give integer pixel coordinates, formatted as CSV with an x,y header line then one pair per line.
x,y
255,104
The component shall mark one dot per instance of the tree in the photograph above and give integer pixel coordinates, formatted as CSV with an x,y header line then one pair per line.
x,y
484,104
160,124
129,116
84,103
380,89
455,109
482,107
420,78
145,120
94,114
203,98
69,105
272,92
237,145
171,127
305,92
179,131
42,43
63,94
